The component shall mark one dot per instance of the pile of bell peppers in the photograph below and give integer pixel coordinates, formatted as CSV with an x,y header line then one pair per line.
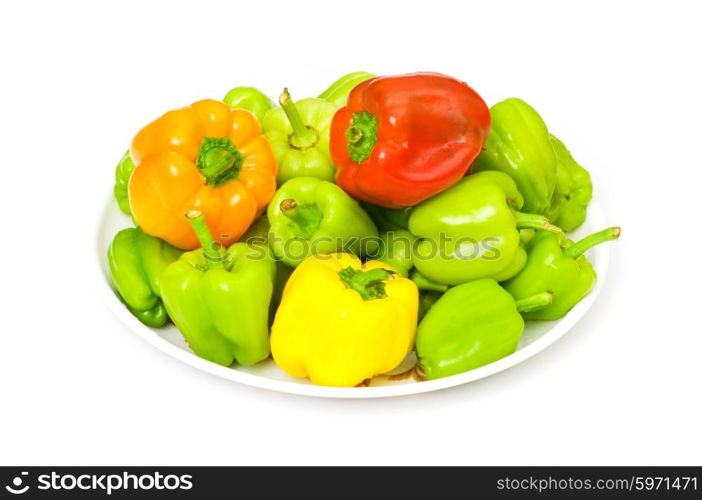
x,y
339,233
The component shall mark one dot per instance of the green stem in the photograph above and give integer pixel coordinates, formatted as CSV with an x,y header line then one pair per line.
x,y
533,221
534,302
361,136
303,136
369,284
210,248
289,208
354,135
424,283
218,160
307,218
577,249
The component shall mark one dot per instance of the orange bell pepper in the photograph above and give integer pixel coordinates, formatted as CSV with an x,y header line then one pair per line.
x,y
206,157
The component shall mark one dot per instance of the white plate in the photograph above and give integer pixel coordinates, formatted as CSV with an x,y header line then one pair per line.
x,y
537,335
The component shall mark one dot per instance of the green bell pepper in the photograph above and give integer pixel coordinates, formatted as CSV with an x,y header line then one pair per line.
x,y
427,298
555,263
219,300
250,99
573,190
124,170
338,92
526,234
424,283
257,234
388,219
519,145
135,263
471,325
299,135
395,249
471,230
310,216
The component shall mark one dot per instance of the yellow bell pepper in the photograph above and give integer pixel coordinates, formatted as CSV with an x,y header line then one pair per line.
x,y
341,322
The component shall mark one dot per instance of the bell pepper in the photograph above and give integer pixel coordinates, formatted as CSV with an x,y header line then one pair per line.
x,y
395,248
338,92
341,321
206,156
471,325
557,264
257,234
299,135
309,216
519,145
425,284
388,219
427,299
526,234
123,171
401,139
135,263
250,99
219,300
573,190
471,230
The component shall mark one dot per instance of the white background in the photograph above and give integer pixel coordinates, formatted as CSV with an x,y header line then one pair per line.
x,y
619,82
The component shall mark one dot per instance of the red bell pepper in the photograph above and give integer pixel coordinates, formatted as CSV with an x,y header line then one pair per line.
x,y
402,139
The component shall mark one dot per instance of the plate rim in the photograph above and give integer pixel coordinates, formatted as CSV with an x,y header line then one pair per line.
x,y
565,324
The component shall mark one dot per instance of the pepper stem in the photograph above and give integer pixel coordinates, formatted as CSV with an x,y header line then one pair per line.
x,y
577,249
306,218
424,283
361,136
534,221
218,160
354,135
303,137
369,284
289,208
534,302
210,247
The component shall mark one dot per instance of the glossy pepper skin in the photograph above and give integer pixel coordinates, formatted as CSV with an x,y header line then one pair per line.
x,y
471,325
250,99
341,322
401,139
519,145
208,157
338,92
471,230
425,284
427,299
395,249
219,300
135,263
309,216
557,264
123,172
388,219
257,234
299,135
573,190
